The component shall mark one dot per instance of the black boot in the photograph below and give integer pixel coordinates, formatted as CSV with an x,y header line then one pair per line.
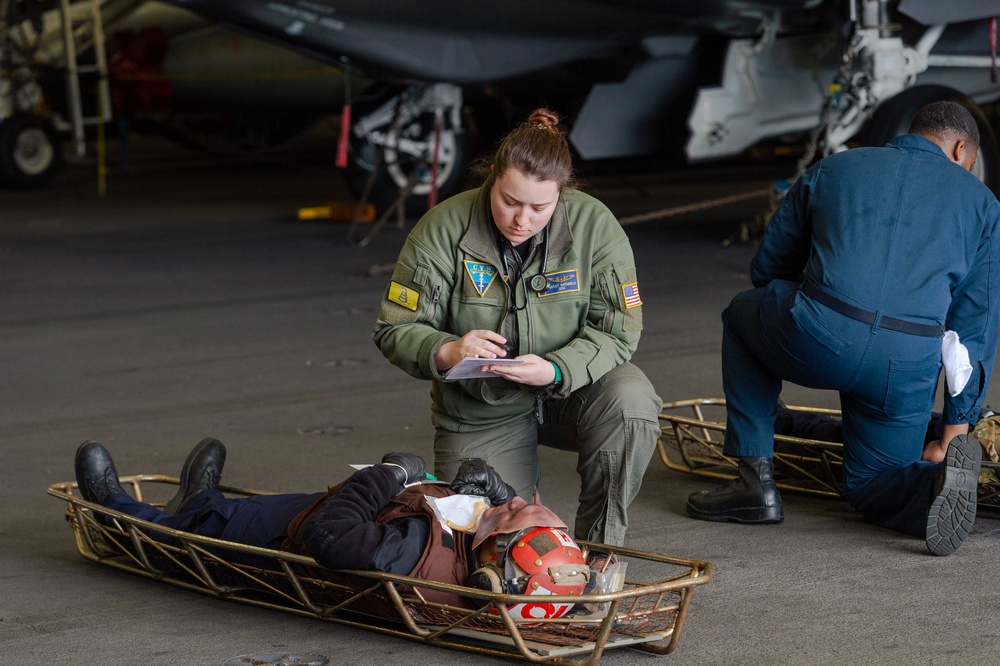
x,y
752,497
96,475
202,471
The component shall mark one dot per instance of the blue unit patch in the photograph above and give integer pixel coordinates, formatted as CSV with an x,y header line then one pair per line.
x,y
560,283
482,276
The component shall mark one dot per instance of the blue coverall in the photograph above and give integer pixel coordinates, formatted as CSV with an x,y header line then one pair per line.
x,y
899,232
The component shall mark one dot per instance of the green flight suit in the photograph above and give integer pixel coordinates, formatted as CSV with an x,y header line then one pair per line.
x,y
451,278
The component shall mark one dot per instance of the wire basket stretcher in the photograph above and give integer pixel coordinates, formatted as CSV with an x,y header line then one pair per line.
x,y
693,434
647,614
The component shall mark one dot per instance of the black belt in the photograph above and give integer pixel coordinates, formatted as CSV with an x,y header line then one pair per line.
x,y
868,317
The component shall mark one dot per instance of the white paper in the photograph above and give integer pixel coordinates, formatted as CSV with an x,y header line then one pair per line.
x,y
955,357
468,368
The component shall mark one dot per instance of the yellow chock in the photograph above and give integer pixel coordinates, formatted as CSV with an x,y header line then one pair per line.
x,y
339,211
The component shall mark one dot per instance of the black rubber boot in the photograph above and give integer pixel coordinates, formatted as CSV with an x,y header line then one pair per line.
x,y
96,475
953,506
752,497
202,471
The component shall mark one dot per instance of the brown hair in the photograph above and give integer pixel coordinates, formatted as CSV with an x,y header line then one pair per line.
x,y
537,148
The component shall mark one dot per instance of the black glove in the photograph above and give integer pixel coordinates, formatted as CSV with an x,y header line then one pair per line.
x,y
476,477
407,467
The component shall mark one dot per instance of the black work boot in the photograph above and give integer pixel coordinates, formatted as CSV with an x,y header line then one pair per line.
x,y
96,475
752,497
953,505
202,471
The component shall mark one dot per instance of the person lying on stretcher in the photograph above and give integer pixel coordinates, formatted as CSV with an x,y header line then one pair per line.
x,y
381,519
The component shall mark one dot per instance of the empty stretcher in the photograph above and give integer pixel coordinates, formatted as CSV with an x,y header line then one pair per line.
x,y
692,437
646,614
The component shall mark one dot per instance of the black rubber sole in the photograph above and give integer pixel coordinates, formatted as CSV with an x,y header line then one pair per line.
x,y
953,510
747,516
175,503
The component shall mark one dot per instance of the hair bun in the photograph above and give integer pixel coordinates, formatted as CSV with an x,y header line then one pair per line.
x,y
544,119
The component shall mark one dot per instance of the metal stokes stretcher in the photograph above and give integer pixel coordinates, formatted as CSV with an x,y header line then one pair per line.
x,y
692,437
647,614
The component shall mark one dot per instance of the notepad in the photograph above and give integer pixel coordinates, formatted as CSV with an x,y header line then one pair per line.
x,y
469,368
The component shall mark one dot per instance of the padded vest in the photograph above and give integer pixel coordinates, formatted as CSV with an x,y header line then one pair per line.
x,y
445,558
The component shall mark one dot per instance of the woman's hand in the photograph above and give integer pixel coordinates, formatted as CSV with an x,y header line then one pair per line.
x,y
475,344
535,371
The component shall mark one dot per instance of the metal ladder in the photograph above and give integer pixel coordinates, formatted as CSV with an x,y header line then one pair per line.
x,y
82,28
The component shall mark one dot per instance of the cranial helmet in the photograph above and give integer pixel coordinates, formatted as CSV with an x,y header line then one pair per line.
x,y
532,561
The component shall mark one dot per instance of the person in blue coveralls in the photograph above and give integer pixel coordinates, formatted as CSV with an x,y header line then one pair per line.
x,y
871,257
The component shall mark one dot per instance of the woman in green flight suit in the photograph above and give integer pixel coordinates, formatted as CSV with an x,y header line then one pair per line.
x,y
528,268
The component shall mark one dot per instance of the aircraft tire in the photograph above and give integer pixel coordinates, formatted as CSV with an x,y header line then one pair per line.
x,y
396,167
30,151
893,117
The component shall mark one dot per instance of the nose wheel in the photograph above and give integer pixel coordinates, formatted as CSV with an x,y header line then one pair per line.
x,y
415,141
30,151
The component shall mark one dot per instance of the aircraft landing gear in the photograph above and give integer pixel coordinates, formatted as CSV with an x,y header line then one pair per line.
x,y
396,142
30,151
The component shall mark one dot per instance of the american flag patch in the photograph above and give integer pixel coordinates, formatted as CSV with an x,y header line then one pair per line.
x,y
631,293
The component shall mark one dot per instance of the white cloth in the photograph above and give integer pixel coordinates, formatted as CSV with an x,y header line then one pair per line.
x,y
955,357
458,512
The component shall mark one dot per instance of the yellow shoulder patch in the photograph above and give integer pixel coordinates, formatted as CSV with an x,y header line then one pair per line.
x,y
405,296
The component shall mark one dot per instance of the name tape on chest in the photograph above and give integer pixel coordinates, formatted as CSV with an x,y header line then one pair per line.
x,y
482,276
405,296
560,283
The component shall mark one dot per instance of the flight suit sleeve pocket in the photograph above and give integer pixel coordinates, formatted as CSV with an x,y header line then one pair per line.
x,y
605,305
420,276
631,302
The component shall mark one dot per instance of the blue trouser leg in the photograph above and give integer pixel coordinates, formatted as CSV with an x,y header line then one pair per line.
x,y
885,479
763,343
258,520
262,520
886,381
896,498
750,413
189,520
899,497
808,425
